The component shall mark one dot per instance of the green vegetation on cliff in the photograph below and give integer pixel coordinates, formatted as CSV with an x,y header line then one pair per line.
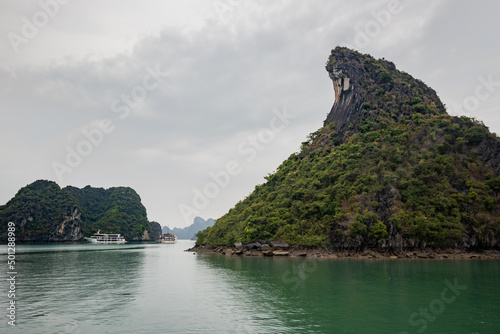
x,y
389,169
43,211
111,210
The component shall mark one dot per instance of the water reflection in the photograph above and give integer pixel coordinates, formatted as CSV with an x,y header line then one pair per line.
x,y
72,287
256,298
361,296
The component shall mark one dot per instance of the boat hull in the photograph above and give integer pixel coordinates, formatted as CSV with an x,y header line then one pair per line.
x,y
114,242
167,241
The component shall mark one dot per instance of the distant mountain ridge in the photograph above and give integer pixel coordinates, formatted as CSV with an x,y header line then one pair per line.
x,y
42,211
189,232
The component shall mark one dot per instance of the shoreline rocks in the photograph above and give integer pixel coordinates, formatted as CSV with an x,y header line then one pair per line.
x,y
280,249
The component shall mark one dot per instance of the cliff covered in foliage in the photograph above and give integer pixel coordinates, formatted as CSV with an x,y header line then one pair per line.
x,y
389,169
42,211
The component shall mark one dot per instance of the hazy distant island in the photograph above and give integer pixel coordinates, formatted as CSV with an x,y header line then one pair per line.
x,y
42,211
189,232
389,172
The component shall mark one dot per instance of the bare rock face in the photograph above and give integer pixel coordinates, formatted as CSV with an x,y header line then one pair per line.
x,y
365,87
279,244
348,95
489,153
70,228
341,83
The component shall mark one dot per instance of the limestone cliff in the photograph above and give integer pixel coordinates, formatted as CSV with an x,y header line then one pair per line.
x,y
389,169
42,211
365,88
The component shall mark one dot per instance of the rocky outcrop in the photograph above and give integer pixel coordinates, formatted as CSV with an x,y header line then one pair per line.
x,y
279,244
155,229
349,94
42,211
66,228
389,170
274,248
334,253
359,81
489,153
70,228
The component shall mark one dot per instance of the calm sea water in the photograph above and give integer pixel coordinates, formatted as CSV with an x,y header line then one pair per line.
x,y
149,288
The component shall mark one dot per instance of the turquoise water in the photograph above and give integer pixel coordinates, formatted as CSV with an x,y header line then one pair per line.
x,y
149,288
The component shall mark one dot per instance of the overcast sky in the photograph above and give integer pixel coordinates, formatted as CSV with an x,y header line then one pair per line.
x,y
192,103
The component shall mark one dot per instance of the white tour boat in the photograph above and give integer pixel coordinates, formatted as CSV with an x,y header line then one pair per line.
x,y
168,238
103,238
